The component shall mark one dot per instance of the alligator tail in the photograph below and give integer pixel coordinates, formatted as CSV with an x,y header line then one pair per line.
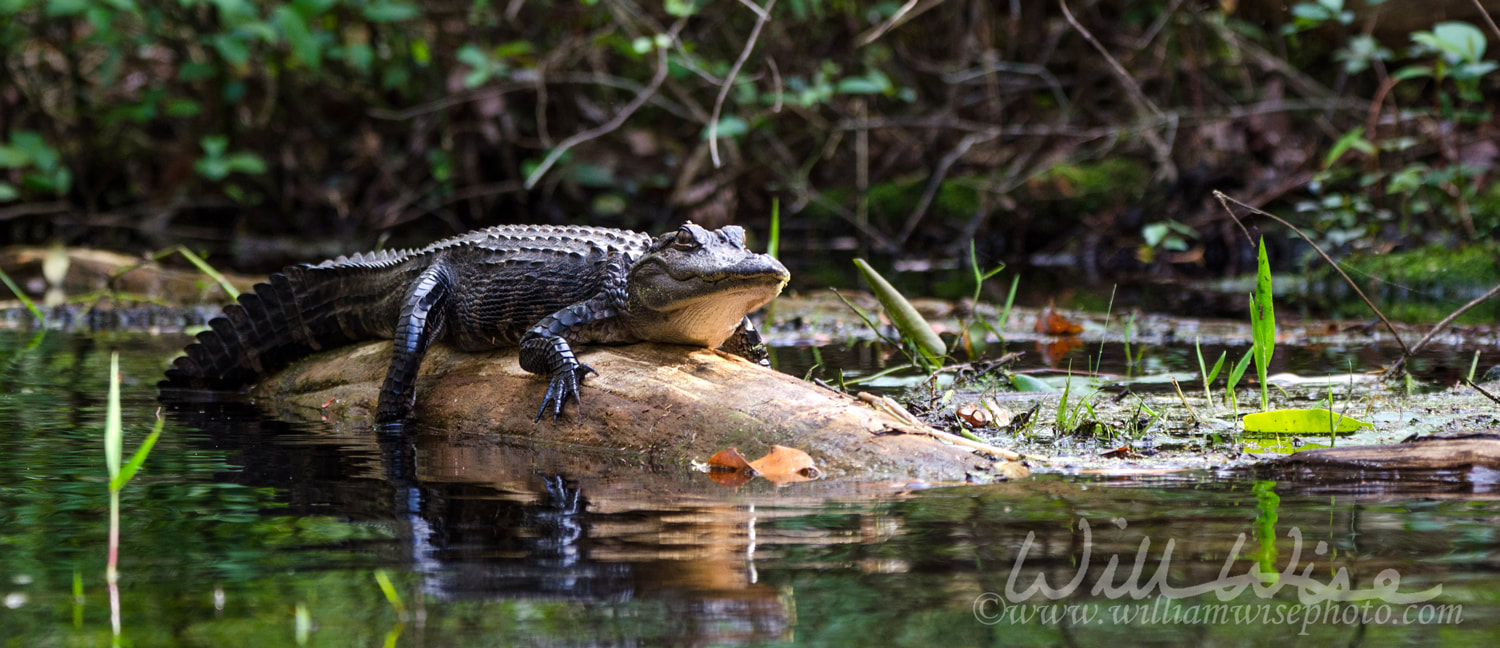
x,y
299,311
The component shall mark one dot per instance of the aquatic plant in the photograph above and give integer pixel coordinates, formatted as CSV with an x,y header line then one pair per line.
x,y
119,475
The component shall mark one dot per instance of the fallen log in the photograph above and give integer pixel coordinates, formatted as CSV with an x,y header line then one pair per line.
x,y
665,403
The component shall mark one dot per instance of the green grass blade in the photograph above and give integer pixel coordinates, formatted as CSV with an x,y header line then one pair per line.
x,y
903,315
775,242
1010,300
30,305
112,430
137,458
209,270
390,592
1234,377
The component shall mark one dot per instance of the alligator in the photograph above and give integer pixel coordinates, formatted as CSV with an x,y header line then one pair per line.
x,y
541,288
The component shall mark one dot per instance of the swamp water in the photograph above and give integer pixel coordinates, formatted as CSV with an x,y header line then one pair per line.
x,y
239,525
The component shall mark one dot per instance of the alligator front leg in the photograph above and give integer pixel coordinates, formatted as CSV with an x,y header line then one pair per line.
x,y
421,321
746,343
545,351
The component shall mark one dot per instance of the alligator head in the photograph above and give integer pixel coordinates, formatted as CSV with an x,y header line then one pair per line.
x,y
694,286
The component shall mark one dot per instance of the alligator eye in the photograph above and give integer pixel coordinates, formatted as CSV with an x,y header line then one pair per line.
x,y
685,241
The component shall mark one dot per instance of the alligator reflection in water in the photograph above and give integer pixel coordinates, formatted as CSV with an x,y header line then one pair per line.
x,y
478,520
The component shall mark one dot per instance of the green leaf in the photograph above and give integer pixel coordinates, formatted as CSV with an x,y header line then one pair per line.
x,y
232,48
137,458
1311,11
680,8
730,126
1238,371
1263,321
13,157
1462,39
1301,421
8,193
1352,139
66,7
902,314
1154,233
1412,72
245,163
214,145
1468,71
359,55
390,11
1025,383
471,55
873,83
304,45
183,108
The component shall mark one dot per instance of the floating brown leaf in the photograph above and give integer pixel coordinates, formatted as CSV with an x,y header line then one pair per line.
x,y
730,461
783,464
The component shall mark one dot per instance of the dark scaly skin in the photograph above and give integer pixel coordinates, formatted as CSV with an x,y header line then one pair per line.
x,y
540,288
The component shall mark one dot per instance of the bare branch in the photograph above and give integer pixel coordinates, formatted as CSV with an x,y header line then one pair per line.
x,y
619,118
713,122
1225,200
907,12
1487,19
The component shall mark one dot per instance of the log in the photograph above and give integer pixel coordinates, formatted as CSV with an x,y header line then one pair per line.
x,y
662,403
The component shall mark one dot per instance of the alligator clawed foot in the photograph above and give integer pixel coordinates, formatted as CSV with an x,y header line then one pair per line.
x,y
564,385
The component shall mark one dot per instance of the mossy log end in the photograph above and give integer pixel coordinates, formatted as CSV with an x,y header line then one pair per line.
x,y
667,403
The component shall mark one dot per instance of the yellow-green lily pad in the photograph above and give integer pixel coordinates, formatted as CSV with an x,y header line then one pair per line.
x,y
1301,421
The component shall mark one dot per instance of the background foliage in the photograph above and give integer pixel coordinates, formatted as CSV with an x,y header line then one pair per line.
x,y
287,130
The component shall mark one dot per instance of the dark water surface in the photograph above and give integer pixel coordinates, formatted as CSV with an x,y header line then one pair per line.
x,y
238,521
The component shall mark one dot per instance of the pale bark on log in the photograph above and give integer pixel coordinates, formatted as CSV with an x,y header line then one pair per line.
x,y
664,403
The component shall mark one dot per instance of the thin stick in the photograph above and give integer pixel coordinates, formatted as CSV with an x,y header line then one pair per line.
x,y
902,15
1440,326
1480,390
1130,85
763,15
1487,19
1225,200
619,118
1163,151
1183,397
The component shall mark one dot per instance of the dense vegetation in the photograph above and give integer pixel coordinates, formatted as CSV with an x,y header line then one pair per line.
x,y
1079,127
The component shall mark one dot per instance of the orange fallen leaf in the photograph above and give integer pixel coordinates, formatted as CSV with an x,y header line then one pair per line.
x,y
1050,322
783,464
730,461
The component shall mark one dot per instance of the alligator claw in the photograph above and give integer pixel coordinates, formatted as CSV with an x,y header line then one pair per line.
x,y
564,385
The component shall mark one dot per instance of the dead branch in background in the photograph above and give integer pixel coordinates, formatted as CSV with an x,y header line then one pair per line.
x,y
1133,89
762,15
619,118
1224,200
